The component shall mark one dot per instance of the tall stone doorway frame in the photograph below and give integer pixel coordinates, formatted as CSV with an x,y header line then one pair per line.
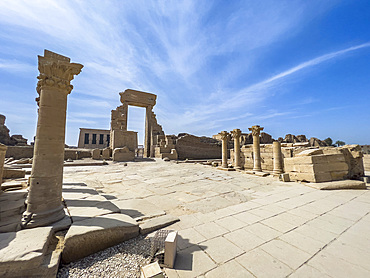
x,y
140,99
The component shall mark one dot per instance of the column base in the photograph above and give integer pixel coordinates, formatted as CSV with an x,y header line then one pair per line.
x,y
226,169
32,220
257,169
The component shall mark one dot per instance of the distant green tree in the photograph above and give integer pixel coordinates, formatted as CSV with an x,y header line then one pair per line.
x,y
328,141
339,143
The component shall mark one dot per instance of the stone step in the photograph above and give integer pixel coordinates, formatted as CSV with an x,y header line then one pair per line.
x,y
22,251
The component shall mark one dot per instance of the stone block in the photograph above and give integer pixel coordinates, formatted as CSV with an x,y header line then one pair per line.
x,y
138,209
106,153
339,185
123,138
310,152
23,250
12,173
95,154
310,177
97,233
123,154
152,270
284,177
170,246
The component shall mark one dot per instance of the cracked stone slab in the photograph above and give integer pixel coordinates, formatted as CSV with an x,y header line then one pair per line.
x,y
157,223
138,209
97,233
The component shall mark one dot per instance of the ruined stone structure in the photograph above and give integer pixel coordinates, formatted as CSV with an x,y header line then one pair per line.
x,y
44,202
119,133
93,138
187,146
5,137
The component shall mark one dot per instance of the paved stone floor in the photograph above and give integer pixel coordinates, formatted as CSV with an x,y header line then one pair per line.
x,y
238,225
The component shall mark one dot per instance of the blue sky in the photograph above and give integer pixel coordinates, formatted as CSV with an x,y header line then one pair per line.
x,y
299,67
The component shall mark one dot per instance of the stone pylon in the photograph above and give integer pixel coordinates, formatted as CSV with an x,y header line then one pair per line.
x,y
278,158
225,138
236,135
256,131
44,202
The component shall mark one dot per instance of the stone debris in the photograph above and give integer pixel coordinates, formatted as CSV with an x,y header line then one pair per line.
x,y
338,185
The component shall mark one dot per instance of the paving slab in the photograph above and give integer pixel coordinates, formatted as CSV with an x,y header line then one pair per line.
x,y
221,250
230,269
245,240
210,230
261,264
192,261
138,209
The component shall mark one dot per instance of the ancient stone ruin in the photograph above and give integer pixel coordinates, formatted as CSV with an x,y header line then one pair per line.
x,y
5,137
44,221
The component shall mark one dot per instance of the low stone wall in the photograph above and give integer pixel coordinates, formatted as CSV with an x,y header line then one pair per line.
x,y
310,164
18,152
193,147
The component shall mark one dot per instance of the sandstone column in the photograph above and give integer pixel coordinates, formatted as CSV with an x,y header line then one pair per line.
x,y
236,134
278,159
44,202
148,131
224,138
2,158
256,130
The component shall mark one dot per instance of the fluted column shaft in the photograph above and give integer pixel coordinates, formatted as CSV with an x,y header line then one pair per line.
x,y
44,201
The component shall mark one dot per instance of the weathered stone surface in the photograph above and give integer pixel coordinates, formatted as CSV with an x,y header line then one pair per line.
x,y
153,224
310,152
12,173
98,233
338,185
193,147
138,209
123,154
95,154
23,249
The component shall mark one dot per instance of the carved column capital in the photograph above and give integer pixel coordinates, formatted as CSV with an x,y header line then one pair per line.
x,y
236,133
256,130
56,71
224,135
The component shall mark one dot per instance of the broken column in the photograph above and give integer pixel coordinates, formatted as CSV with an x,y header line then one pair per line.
x,y
256,130
224,138
236,135
278,158
2,158
44,202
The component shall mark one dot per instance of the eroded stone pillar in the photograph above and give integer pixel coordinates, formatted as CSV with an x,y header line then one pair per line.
x,y
224,138
2,158
236,135
148,130
44,202
278,158
256,131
